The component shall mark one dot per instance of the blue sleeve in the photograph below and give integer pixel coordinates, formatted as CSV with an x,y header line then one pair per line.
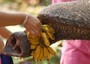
x,y
6,59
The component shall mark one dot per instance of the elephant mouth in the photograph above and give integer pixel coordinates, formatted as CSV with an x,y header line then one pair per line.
x,y
17,45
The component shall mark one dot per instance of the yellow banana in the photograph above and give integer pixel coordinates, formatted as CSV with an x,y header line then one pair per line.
x,y
51,51
41,55
49,56
46,53
30,36
49,31
37,52
45,39
27,33
50,35
41,48
33,46
32,53
32,39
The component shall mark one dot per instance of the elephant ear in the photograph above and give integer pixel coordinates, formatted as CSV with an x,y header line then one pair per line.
x,y
70,20
17,45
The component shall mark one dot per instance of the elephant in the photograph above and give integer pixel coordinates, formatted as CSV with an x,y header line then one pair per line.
x,y
70,20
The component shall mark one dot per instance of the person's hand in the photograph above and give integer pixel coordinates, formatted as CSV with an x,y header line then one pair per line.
x,y
33,25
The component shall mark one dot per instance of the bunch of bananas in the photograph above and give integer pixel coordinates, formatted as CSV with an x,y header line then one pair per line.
x,y
41,45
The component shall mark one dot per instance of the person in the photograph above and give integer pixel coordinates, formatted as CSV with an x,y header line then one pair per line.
x,y
31,23
74,51
58,1
5,34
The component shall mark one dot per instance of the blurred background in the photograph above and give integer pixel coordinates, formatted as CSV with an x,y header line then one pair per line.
x,y
31,7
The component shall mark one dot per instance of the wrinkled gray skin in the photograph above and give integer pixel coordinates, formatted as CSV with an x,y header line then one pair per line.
x,y
17,45
70,20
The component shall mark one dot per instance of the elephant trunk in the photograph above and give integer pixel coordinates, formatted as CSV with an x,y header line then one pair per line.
x,y
70,20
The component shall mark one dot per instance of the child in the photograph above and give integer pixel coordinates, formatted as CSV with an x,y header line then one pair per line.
x,y
4,59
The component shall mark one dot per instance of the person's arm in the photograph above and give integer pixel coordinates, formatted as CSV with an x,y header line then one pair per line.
x,y
5,32
7,19
32,24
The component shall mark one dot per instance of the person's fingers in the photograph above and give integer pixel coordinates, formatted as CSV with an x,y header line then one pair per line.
x,y
33,25
29,28
36,23
33,29
36,28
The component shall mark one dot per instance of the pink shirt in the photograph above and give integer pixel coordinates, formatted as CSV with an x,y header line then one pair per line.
x,y
57,1
74,51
